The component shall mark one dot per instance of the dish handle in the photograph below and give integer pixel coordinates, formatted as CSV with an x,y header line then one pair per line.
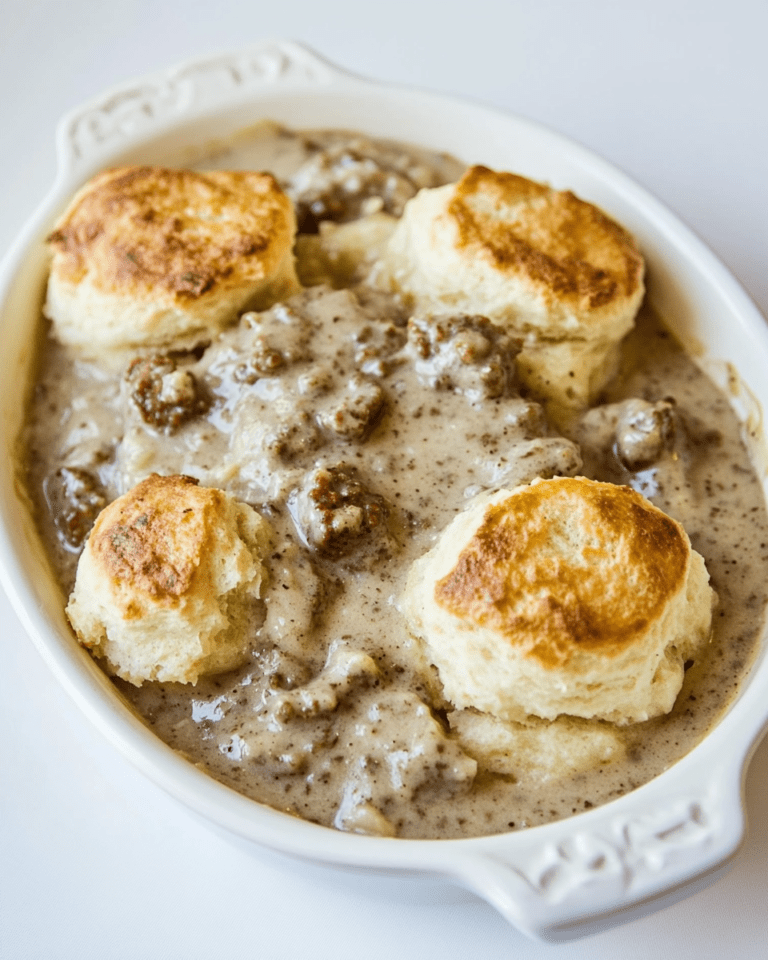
x,y
91,135
603,869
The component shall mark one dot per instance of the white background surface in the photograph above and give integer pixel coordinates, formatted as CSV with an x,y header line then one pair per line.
x,y
95,862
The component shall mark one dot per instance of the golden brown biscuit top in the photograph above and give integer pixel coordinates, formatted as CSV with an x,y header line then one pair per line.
x,y
151,229
568,564
564,246
152,539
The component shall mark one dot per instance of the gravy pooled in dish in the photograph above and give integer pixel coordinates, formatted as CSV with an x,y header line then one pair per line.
x,y
427,533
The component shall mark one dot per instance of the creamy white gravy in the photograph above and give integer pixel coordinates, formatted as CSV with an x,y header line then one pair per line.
x,y
359,442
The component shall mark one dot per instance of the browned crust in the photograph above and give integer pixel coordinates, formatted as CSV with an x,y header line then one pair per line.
x,y
561,244
151,540
139,230
623,562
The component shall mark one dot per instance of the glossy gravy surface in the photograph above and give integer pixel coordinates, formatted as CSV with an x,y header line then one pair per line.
x,y
359,444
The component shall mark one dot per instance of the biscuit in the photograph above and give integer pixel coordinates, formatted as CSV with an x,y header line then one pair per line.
x,y
553,269
169,582
567,596
537,749
146,255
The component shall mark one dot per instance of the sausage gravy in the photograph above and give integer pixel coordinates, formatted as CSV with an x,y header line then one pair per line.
x,y
359,435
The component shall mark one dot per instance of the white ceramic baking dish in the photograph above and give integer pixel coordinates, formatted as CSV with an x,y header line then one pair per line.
x,y
602,867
